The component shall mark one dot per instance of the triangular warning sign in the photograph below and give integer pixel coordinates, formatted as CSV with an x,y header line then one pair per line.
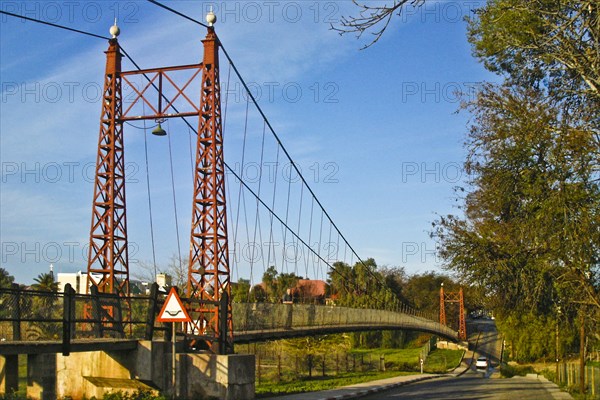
x,y
173,309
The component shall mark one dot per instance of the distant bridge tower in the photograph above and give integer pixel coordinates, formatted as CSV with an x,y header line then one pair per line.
x,y
454,297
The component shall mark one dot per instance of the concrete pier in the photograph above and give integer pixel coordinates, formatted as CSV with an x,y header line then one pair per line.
x,y
9,373
148,367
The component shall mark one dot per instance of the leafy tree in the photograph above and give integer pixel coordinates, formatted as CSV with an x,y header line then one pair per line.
x,y
6,280
240,291
541,39
43,305
276,284
531,221
45,282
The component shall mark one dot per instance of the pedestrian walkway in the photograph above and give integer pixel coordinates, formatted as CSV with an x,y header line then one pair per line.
x,y
550,387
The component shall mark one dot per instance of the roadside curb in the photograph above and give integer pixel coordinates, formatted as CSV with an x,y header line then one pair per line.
x,y
366,392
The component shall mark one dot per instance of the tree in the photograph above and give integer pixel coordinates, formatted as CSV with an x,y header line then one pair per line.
x,y
176,268
45,282
530,230
276,284
44,306
541,39
240,291
6,280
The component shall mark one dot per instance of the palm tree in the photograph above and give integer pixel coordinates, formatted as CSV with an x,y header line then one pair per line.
x,y
45,283
43,305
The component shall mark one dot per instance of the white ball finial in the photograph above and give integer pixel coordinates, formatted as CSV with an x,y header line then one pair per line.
x,y
114,30
211,18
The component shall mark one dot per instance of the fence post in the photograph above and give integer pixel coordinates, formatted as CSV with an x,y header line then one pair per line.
x,y
16,311
68,310
96,312
150,317
223,308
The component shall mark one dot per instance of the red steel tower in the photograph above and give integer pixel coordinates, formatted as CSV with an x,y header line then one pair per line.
x,y
108,261
208,273
208,286
454,297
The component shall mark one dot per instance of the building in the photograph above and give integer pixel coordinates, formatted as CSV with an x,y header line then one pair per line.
x,y
310,291
164,282
77,280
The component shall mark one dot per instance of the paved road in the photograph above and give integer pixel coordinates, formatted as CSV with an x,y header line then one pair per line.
x,y
472,385
490,342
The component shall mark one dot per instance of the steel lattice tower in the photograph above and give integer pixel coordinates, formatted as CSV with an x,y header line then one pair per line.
x,y
108,260
454,297
208,274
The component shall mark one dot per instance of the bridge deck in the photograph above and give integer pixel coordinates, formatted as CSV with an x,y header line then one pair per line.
x,y
56,346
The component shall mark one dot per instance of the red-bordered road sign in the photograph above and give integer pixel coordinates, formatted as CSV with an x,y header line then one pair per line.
x,y
173,309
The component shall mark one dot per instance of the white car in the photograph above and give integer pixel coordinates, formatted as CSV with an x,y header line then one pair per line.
x,y
482,363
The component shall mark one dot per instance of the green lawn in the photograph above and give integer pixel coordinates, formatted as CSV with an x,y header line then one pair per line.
x,y
442,360
397,362
322,383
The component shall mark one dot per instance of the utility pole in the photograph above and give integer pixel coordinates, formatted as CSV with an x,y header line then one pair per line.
x,y
582,352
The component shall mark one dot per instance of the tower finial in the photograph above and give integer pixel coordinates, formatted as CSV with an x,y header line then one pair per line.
x,y
114,30
211,18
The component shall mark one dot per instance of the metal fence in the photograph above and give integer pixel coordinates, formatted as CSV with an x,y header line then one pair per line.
x,y
28,315
252,317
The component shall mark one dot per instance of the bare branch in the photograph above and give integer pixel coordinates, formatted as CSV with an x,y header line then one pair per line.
x,y
371,17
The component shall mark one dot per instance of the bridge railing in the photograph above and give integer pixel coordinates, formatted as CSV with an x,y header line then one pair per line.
x,y
28,315
34,315
266,317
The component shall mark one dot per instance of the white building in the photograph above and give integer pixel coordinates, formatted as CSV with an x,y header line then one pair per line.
x,y
164,281
76,279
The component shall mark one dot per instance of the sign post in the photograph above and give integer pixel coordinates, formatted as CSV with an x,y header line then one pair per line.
x,y
173,311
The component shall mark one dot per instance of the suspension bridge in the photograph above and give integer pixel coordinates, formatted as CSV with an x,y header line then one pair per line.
x,y
247,216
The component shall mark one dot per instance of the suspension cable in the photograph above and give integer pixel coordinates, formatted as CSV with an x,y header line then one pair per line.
x,y
266,121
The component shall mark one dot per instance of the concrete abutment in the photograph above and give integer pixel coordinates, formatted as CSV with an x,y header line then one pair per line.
x,y
148,367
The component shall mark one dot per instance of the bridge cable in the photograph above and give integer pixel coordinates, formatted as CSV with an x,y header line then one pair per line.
x,y
257,220
240,191
312,208
271,211
333,268
54,25
298,229
259,109
149,197
284,262
272,215
174,200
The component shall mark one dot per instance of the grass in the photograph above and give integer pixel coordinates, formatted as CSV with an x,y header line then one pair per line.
x,y
508,371
397,362
322,383
441,360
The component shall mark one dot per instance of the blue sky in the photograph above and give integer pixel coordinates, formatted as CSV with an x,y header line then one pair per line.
x,y
375,132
